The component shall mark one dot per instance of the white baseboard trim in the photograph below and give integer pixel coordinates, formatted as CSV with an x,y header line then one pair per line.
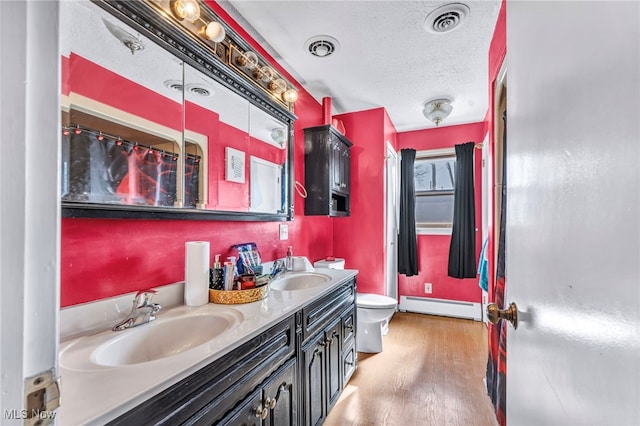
x,y
443,307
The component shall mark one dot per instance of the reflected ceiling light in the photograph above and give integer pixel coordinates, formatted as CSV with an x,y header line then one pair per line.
x,y
437,110
279,135
132,42
185,9
214,31
290,95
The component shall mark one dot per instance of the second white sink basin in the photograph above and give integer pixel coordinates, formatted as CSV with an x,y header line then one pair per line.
x,y
299,281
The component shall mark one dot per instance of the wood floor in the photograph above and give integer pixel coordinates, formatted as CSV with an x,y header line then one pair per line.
x,y
430,373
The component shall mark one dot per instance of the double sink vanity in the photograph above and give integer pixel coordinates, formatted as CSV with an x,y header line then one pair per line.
x,y
281,360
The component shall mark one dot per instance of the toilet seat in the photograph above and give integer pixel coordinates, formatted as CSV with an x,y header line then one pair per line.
x,y
374,301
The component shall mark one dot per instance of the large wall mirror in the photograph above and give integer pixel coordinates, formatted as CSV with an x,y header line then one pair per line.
x,y
152,130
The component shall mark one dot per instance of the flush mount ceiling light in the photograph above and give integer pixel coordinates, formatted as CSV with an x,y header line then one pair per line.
x,y
322,46
185,9
437,110
446,18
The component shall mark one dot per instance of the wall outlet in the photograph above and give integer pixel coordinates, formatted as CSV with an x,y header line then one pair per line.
x,y
284,231
427,288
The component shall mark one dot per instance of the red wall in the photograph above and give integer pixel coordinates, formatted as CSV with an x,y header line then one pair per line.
x,y
359,238
433,250
102,258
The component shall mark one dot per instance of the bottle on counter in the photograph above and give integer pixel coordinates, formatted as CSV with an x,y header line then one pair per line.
x,y
289,259
216,277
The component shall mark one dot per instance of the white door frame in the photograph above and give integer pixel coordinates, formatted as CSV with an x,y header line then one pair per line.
x,y
391,221
29,194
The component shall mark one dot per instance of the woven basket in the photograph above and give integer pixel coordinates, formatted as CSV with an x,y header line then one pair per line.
x,y
234,297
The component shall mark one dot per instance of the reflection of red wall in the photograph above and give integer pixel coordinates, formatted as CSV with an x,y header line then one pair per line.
x,y
433,250
101,258
119,92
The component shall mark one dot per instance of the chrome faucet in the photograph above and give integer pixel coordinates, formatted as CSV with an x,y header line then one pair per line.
x,y
142,312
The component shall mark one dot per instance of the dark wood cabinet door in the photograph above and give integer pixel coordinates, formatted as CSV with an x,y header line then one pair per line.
x,y
281,396
333,342
248,413
314,381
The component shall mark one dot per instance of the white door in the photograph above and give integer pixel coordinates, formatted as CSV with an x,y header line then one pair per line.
x,y
391,221
29,209
573,212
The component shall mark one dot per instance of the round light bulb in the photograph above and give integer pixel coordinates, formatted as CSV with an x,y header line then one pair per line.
x,y
185,9
290,95
278,86
215,32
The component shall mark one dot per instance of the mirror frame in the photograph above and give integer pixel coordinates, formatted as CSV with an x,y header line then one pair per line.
x,y
147,20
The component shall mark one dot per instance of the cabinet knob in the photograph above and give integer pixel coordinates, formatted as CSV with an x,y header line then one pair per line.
x,y
270,403
262,412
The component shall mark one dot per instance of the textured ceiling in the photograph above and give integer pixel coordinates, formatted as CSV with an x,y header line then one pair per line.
x,y
385,58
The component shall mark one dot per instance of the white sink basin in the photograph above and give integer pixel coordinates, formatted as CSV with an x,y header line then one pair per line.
x,y
162,338
299,281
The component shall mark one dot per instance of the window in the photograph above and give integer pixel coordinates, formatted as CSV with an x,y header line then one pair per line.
x,y
435,182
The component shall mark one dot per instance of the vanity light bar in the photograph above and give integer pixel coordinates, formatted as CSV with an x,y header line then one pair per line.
x,y
196,17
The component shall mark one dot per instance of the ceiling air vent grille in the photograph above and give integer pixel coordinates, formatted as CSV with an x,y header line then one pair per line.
x,y
322,46
446,18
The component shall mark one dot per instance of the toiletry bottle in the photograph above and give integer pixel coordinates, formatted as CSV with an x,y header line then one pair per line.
x,y
289,260
217,275
228,275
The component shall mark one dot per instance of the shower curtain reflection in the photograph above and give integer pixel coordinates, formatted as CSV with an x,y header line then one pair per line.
x,y
101,169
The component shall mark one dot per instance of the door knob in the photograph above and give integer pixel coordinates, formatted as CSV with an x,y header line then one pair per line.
x,y
510,314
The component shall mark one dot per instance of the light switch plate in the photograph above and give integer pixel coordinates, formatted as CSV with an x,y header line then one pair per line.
x,y
284,231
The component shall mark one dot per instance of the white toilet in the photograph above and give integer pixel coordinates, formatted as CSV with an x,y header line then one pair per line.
x,y
374,313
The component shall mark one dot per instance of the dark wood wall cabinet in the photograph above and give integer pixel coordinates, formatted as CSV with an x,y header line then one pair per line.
x,y
327,168
291,374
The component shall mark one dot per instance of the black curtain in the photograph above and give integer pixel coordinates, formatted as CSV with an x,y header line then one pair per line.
x,y
407,244
462,252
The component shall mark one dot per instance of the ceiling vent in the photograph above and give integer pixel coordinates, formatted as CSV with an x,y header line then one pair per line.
x,y
446,18
198,90
322,46
175,85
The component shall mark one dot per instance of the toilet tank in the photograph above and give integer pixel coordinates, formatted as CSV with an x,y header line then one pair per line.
x,y
336,263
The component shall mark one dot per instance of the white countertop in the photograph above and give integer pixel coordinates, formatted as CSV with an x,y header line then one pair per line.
x,y
94,394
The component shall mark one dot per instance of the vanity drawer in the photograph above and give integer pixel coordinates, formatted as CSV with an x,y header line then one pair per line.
x,y
349,362
348,326
319,313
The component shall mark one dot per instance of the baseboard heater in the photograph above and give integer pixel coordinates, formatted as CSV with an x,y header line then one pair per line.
x,y
443,307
